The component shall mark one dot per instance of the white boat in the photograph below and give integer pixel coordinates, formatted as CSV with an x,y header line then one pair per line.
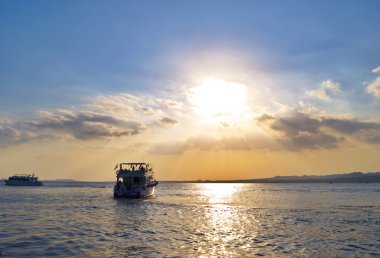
x,y
134,180
23,180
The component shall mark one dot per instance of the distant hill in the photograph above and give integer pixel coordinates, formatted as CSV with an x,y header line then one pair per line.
x,y
62,180
354,177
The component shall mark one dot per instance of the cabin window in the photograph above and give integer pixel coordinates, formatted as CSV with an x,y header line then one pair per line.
x,y
136,180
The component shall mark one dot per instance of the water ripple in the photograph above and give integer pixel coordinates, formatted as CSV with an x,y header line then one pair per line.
x,y
226,220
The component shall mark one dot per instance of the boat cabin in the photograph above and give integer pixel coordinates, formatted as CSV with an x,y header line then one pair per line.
x,y
130,174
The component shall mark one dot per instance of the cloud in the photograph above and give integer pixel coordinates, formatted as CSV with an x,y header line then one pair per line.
x,y
331,85
294,124
297,131
290,131
10,135
103,117
374,88
349,126
313,141
325,92
376,70
375,139
84,125
319,93
167,121
131,106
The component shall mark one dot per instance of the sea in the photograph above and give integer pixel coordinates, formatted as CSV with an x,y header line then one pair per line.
x,y
79,219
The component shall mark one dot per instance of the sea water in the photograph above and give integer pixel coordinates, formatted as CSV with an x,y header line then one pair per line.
x,y
190,219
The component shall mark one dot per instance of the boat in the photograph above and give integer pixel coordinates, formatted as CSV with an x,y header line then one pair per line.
x,y
134,180
23,180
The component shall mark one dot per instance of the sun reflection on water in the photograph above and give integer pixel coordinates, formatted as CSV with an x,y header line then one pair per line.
x,y
215,193
223,220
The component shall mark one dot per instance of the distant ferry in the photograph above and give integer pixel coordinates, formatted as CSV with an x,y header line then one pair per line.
x,y
134,180
23,180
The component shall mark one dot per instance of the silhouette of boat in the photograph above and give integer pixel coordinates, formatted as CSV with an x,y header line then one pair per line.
x,y
23,180
134,180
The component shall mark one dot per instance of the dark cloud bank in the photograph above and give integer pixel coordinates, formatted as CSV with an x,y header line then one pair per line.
x,y
293,131
82,125
85,125
299,131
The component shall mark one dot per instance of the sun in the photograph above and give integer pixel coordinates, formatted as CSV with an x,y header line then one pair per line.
x,y
217,100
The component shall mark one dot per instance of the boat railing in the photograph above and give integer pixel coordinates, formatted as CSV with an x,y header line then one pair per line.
x,y
24,175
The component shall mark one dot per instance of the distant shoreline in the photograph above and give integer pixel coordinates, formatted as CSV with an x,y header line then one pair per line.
x,y
355,177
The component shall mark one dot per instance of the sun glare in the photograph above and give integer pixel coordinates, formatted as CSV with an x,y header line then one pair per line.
x,y
218,100
219,192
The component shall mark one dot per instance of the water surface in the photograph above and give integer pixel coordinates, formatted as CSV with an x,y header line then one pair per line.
x,y
230,220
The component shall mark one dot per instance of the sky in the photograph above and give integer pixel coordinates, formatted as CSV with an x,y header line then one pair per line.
x,y
200,89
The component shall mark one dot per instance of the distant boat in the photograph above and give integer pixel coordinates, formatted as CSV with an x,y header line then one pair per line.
x,y
134,180
23,180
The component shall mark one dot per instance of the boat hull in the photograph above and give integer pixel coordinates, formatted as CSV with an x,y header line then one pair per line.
x,y
15,183
136,191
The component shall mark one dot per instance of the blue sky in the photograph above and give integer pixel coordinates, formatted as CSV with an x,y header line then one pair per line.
x,y
59,52
79,55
